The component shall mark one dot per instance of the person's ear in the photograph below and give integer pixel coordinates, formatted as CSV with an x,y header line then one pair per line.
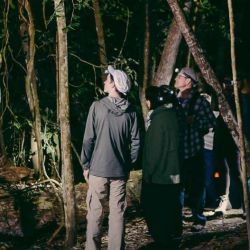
x,y
148,103
112,83
188,82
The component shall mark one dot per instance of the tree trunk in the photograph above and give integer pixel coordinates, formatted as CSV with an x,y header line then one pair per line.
x,y
146,64
171,48
189,57
67,168
239,119
58,152
4,71
100,36
34,150
27,30
205,68
57,82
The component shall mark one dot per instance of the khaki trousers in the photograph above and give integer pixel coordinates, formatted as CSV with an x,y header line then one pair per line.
x,y
100,191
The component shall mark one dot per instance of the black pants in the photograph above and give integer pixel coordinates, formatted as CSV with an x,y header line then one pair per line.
x,y
194,185
230,169
162,210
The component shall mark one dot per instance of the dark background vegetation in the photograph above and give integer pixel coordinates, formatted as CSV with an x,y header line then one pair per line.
x,y
124,23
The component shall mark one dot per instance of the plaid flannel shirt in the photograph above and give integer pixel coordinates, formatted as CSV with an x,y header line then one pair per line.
x,y
202,120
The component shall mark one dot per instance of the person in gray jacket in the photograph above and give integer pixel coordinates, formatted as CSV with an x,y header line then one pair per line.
x,y
110,145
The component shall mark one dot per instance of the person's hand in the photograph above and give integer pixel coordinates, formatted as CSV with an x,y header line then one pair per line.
x,y
86,175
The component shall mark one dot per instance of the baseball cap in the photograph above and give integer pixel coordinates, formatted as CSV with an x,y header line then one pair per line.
x,y
121,79
189,73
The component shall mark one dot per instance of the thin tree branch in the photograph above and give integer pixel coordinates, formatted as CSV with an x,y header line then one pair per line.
x,y
86,62
125,36
77,155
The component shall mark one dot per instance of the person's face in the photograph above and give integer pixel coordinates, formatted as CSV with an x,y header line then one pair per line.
x,y
108,84
182,82
148,104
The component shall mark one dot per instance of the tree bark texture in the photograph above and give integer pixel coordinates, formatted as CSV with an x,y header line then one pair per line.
x,y
146,63
100,35
57,82
205,69
27,31
239,119
67,168
165,69
189,57
58,152
5,71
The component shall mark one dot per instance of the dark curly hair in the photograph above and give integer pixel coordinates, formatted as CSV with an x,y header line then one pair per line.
x,y
160,95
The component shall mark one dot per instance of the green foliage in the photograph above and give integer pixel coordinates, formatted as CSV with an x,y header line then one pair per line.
x,y
51,144
116,9
11,4
205,6
75,23
124,27
17,140
82,4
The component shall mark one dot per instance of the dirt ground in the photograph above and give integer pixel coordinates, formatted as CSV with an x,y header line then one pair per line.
x,y
227,232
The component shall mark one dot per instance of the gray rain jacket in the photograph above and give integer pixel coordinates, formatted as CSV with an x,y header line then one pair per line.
x,y
111,140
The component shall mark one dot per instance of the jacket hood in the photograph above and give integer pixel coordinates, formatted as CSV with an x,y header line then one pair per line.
x,y
161,109
116,105
155,112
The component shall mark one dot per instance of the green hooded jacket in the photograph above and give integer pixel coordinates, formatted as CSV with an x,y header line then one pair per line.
x,y
161,163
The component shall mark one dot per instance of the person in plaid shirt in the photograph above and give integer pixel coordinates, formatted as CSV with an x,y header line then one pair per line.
x,y
199,118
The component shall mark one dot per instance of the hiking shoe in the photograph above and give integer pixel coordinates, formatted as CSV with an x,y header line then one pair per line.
x,y
224,205
244,216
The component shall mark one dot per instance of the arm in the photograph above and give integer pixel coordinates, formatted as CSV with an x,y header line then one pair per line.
x,y
88,139
205,118
135,140
210,121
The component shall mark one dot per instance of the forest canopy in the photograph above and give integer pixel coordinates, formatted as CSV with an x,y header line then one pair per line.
x,y
123,24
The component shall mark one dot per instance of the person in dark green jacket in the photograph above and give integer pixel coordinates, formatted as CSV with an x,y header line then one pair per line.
x,y
161,169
